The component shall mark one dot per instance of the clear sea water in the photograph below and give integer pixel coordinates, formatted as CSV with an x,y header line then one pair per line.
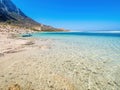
x,y
93,45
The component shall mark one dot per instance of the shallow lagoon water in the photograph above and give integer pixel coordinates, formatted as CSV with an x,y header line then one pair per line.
x,y
97,46
89,60
65,61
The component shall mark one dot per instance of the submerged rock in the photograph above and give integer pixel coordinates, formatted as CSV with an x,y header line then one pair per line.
x,y
27,35
14,87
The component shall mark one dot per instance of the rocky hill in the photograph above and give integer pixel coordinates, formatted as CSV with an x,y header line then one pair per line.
x,y
10,14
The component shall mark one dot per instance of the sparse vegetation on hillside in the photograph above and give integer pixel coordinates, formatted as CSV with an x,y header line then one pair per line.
x,y
15,17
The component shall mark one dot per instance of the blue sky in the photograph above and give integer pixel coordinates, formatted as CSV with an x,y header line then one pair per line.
x,y
74,14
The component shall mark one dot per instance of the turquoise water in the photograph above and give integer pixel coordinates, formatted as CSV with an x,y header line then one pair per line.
x,y
89,60
94,46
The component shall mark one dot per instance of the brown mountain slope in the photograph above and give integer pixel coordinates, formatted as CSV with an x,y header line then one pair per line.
x,y
10,14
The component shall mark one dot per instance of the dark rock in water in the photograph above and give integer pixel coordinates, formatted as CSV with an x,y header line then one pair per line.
x,y
27,35
10,14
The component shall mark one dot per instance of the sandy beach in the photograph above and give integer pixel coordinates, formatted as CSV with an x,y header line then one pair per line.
x,y
60,45
41,64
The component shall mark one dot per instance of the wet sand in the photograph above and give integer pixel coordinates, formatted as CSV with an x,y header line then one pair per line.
x,y
46,64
